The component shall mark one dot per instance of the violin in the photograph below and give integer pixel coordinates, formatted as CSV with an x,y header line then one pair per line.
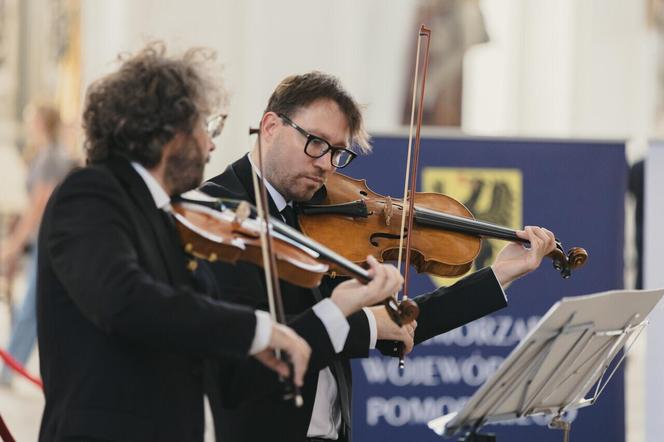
x,y
215,230
228,230
445,237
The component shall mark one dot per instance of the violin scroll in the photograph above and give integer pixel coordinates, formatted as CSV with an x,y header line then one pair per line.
x,y
403,312
565,263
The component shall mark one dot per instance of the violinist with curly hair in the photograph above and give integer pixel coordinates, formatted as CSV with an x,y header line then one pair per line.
x,y
122,328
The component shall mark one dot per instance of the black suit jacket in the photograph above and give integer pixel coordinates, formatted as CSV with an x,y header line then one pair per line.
x,y
247,399
122,333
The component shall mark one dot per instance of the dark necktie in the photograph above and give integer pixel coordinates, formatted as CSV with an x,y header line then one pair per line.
x,y
168,218
290,217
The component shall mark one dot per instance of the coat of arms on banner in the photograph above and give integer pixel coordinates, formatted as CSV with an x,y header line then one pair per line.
x,y
492,195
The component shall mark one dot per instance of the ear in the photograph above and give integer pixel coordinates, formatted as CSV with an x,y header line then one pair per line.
x,y
270,124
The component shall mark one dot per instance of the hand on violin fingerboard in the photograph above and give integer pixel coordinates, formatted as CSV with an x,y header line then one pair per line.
x,y
350,296
516,260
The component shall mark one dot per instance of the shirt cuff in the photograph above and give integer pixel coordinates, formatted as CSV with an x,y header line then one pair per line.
x,y
373,328
334,321
498,284
262,333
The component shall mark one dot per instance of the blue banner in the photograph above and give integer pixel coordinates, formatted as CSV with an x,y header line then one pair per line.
x,y
574,188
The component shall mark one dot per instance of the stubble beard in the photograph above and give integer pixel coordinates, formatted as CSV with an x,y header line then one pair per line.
x,y
290,186
278,167
184,167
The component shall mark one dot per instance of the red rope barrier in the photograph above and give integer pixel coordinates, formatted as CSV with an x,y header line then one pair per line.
x,y
18,368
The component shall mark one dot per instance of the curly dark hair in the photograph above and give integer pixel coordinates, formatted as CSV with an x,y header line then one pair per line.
x,y
297,91
133,112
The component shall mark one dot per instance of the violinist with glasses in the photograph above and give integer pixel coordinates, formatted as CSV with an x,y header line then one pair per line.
x,y
310,128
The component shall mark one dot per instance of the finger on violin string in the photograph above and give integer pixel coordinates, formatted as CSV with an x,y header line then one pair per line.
x,y
523,234
379,274
532,236
393,279
398,280
541,233
373,263
551,237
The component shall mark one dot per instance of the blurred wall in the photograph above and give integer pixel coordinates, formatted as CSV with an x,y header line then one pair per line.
x,y
259,43
573,68
565,68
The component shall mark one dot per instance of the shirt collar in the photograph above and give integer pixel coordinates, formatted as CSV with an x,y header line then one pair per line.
x,y
277,197
159,195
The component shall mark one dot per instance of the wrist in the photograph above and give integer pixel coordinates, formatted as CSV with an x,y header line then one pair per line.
x,y
347,306
503,274
380,315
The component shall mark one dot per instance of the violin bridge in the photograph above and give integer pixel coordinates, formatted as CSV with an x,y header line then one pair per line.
x,y
388,210
242,212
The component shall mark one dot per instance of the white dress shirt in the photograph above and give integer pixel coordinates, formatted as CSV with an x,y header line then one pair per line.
x,y
163,202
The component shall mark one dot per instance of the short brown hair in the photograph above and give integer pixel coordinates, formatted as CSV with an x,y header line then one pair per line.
x,y
297,91
133,112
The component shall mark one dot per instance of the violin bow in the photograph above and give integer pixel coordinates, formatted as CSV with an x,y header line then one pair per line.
x,y
270,265
411,170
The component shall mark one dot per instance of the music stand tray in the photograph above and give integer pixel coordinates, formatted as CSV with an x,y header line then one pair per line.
x,y
558,362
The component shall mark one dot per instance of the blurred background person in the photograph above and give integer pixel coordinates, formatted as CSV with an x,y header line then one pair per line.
x,y
48,162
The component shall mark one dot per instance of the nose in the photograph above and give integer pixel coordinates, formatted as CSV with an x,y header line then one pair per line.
x,y
325,162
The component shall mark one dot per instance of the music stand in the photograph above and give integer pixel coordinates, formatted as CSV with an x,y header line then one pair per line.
x,y
557,363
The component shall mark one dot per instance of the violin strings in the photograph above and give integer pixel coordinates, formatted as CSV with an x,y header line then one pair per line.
x,y
464,225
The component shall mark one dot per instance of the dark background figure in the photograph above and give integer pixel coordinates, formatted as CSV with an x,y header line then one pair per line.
x,y
635,187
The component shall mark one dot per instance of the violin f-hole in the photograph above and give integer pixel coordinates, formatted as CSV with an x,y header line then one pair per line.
x,y
374,236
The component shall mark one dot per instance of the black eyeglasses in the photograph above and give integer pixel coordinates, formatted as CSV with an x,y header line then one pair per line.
x,y
316,147
215,124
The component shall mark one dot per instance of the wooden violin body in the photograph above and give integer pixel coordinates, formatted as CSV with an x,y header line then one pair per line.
x,y
230,236
356,222
375,230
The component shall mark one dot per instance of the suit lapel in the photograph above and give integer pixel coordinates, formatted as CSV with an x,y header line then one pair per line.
x,y
237,178
163,235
